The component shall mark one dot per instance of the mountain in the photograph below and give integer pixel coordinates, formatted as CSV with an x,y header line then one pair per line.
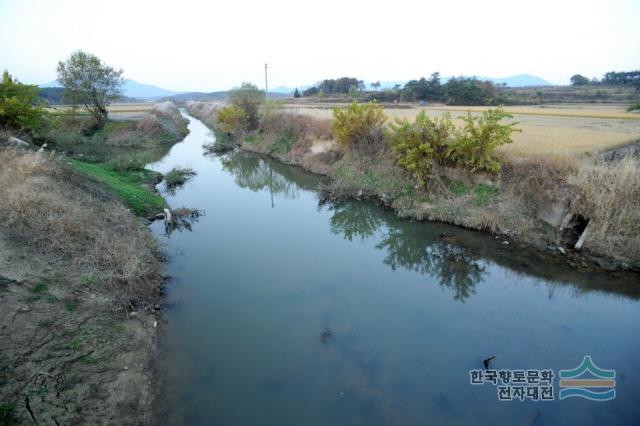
x,y
133,89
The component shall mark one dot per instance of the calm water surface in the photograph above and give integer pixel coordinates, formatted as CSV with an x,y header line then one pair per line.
x,y
411,307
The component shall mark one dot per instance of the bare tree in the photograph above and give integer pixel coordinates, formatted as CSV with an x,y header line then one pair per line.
x,y
90,82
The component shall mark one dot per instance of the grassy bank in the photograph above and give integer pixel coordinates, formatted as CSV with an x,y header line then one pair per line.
x,y
121,142
547,200
80,273
133,187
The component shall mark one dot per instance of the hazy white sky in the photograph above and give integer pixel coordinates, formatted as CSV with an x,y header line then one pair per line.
x,y
212,45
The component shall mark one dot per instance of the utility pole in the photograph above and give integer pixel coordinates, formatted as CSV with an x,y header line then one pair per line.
x,y
266,83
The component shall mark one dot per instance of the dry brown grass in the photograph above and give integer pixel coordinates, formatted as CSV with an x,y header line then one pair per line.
x,y
46,207
299,126
115,107
610,194
204,111
164,117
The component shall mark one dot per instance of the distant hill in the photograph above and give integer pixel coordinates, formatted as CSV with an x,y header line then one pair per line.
x,y
520,80
213,96
55,96
133,89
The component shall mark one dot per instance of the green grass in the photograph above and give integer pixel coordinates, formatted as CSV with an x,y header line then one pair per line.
x,y
40,287
127,185
71,305
484,194
459,188
283,144
90,360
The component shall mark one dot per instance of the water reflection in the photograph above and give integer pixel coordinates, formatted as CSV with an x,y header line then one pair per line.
x,y
407,247
182,220
457,258
255,173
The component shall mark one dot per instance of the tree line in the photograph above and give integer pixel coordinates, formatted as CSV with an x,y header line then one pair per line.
x,y
455,91
612,78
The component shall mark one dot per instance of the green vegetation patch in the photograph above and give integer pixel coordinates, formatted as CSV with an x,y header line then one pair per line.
x,y
634,107
283,144
484,194
8,413
40,287
459,188
178,176
127,185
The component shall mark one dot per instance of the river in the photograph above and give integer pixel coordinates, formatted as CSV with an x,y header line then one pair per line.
x,y
282,311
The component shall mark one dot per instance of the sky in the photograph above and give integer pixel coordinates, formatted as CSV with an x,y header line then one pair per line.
x,y
215,45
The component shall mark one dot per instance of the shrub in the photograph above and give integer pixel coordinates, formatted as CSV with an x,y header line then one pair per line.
x,y
19,105
359,124
475,145
417,146
248,98
230,120
178,176
634,107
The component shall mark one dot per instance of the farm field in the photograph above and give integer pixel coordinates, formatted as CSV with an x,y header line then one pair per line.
x,y
559,129
119,110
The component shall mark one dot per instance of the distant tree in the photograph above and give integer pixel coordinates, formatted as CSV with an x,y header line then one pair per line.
x,y
354,92
578,80
248,98
469,91
340,86
622,78
311,91
296,94
19,105
90,82
423,89
415,90
376,85
434,90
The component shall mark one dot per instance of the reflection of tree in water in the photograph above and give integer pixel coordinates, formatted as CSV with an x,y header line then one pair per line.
x,y
255,173
457,267
354,220
182,219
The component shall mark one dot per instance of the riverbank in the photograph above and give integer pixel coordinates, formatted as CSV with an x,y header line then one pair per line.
x,y
81,275
577,206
